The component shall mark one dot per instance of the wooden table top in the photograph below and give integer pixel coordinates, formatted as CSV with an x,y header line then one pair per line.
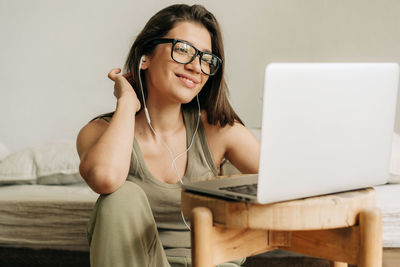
x,y
313,213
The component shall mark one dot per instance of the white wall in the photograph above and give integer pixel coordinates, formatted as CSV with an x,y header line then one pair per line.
x,y
55,55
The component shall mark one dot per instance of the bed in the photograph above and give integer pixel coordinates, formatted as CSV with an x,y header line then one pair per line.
x,y
45,206
44,203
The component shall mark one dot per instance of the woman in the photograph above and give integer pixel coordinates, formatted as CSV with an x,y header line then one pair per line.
x,y
173,123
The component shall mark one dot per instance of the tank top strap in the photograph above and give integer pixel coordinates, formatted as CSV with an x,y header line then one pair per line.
x,y
106,116
190,120
201,165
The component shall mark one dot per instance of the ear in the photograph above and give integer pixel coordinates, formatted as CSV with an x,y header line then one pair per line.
x,y
145,62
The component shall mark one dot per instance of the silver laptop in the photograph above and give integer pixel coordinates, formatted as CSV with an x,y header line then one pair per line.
x,y
326,127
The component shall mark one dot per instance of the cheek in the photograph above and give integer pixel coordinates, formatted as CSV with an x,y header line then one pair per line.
x,y
161,74
204,81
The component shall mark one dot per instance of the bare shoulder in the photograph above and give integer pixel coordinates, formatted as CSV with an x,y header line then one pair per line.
x,y
89,134
230,142
213,132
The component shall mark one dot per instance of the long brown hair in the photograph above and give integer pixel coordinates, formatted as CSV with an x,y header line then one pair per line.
x,y
214,95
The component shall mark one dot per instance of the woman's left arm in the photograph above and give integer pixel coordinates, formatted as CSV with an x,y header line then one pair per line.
x,y
242,148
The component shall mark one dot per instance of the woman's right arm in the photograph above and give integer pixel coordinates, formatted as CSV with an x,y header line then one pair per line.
x,y
104,148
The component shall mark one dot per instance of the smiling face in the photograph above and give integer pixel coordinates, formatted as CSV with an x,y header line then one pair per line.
x,y
169,80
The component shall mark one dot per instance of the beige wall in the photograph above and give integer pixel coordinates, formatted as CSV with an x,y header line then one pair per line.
x,y
308,31
55,54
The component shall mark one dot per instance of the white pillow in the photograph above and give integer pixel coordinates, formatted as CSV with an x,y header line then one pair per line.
x,y
49,163
57,163
18,168
394,175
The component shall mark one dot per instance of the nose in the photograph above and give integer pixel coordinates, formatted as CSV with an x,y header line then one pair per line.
x,y
194,65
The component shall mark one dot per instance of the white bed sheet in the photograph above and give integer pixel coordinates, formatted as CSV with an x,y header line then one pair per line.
x,y
55,217
44,216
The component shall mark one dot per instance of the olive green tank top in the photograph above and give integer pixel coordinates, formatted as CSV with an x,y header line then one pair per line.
x,y
165,199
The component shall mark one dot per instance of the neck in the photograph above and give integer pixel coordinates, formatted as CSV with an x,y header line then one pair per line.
x,y
165,119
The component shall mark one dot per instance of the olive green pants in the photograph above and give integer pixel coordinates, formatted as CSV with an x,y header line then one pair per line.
x,y
122,232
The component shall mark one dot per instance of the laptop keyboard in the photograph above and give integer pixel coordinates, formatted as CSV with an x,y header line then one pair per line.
x,y
248,189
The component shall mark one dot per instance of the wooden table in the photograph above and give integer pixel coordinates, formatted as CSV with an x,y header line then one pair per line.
x,y
343,228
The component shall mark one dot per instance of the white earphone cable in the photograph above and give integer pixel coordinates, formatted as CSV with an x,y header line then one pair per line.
x,y
191,142
173,159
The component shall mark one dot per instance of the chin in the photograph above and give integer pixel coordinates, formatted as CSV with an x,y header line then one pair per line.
x,y
186,100
188,97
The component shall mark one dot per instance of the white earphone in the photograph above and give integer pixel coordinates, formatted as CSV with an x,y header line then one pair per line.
x,y
143,59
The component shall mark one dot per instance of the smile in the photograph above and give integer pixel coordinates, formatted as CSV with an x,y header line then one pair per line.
x,y
187,80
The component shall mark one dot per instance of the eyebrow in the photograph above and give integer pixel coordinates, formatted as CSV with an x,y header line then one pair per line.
x,y
205,50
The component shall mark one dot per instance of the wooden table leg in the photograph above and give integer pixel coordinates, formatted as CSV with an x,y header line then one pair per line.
x,y
202,228
371,238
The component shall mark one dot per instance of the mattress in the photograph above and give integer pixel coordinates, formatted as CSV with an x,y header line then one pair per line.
x,y
55,217
45,216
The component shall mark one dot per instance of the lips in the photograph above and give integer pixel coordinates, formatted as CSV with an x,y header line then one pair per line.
x,y
187,80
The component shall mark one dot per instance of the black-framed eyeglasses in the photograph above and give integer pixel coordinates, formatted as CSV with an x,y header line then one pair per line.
x,y
184,53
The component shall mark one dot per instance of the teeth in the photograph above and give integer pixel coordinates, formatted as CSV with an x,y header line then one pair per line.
x,y
187,79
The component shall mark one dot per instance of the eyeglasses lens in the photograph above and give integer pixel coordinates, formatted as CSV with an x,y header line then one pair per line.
x,y
184,53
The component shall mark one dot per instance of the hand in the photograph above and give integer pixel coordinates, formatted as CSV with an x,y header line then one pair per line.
x,y
122,88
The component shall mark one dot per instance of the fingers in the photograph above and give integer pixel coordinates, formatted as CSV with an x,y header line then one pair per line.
x,y
112,75
127,75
